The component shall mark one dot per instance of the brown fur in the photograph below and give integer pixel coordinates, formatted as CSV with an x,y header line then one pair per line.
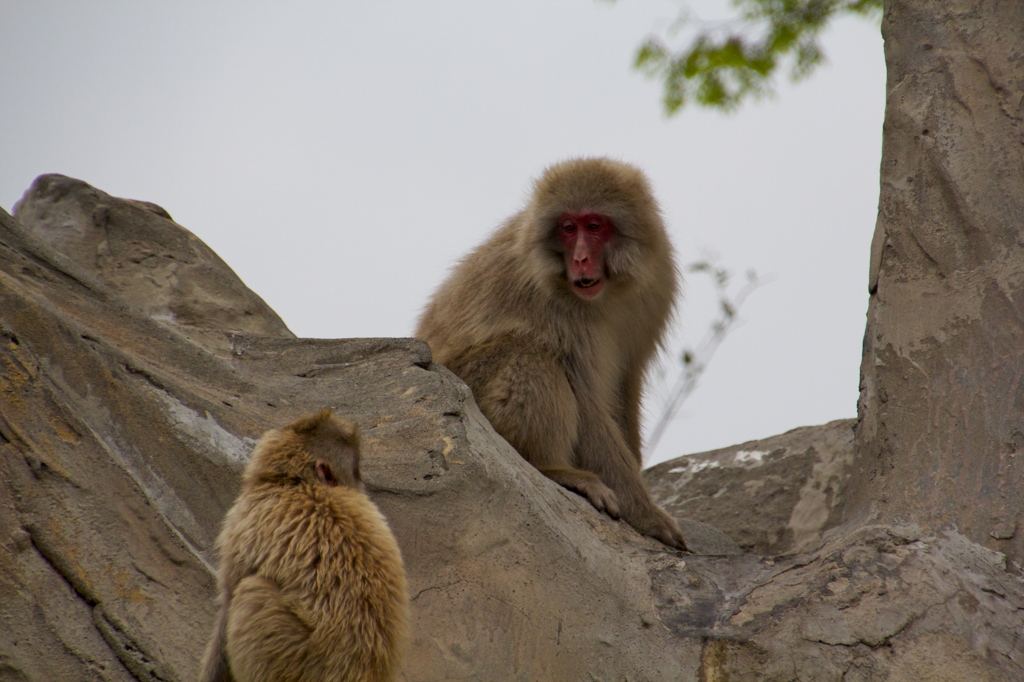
x,y
558,376
311,580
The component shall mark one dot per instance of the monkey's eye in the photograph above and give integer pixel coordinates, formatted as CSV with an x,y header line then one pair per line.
x,y
593,227
568,228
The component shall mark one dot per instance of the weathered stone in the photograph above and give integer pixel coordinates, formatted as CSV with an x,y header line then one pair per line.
x,y
882,602
129,400
771,496
121,444
148,260
122,438
942,387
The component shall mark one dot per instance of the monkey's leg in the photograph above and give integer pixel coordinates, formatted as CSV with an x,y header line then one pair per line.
x,y
266,640
526,396
632,388
602,449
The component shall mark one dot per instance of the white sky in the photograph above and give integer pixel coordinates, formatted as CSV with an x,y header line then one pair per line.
x,y
340,156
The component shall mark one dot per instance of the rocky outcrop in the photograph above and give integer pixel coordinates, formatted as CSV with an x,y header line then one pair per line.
x,y
771,496
122,441
136,372
122,436
145,259
875,603
942,388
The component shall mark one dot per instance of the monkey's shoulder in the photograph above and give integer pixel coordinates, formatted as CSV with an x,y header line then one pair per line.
x,y
307,530
302,509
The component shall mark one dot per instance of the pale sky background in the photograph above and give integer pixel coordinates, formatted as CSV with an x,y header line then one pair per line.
x,y
340,156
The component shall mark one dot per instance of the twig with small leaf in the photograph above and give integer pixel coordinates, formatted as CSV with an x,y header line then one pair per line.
x,y
693,361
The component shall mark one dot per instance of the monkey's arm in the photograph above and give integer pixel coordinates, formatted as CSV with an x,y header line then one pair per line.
x,y
526,396
602,449
632,388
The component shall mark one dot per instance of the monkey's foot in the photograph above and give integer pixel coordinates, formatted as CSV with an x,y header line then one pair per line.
x,y
602,497
663,528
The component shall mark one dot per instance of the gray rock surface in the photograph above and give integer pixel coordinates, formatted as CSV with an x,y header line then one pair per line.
x,y
877,603
132,387
942,381
146,259
121,441
771,496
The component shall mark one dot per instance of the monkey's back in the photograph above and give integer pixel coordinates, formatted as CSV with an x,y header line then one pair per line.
x,y
331,555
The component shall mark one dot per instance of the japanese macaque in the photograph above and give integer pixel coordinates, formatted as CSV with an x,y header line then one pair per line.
x,y
553,322
311,580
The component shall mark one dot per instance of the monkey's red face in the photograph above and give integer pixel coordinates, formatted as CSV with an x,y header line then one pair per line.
x,y
585,237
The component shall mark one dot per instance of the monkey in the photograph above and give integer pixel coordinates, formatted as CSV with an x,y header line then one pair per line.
x,y
553,322
311,582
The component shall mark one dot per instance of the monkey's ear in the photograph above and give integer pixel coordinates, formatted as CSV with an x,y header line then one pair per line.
x,y
324,473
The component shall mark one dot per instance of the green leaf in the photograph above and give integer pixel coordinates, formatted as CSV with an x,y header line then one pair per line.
x,y
722,67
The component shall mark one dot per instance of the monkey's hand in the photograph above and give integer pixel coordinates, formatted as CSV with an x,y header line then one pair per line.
x,y
589,485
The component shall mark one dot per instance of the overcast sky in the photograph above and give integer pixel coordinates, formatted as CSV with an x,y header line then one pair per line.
x,y
340,156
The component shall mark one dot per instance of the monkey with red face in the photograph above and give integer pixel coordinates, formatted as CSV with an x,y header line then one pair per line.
x,y
553,323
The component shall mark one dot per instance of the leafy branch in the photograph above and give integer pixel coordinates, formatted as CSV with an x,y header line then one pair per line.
x,y
727,62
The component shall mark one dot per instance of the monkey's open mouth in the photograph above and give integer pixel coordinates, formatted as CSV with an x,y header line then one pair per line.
x,y
587,287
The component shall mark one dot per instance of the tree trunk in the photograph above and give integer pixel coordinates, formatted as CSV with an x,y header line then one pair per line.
x,y
941,411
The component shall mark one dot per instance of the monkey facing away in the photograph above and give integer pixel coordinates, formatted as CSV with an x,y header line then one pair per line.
x,y
553,322
311,580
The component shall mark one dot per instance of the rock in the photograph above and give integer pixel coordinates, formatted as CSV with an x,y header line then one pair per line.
x,y
771,496
942,382
136,371
149,261
122,438
705,539
122,441
880,602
